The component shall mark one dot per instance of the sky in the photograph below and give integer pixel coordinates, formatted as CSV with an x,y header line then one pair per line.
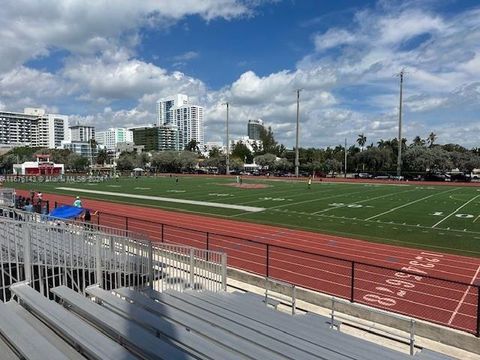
x,y
105,63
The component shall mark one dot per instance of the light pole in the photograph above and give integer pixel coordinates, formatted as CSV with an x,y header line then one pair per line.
x,y
345,157
399,158
297,163
227,160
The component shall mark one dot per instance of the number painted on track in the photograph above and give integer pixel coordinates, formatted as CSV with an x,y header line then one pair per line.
x,y
384,301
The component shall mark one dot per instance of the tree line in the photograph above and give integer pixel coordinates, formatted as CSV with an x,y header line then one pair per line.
x,y
418,156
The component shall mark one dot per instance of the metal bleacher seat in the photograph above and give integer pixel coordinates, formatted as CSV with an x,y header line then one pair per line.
x,y
84,337
426,354
216,335
22,336
286,338
177,333
129,333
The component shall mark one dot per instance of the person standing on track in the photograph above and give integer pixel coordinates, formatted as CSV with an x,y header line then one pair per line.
x,y
77,202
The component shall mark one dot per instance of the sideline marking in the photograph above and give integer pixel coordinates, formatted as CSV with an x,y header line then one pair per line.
x,y
410,203
463,297
458,209
158,198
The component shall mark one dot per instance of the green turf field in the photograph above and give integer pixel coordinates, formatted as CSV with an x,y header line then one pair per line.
x,y
435,217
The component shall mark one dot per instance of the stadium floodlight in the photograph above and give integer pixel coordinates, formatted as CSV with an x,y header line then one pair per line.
x,y
297,163
227,159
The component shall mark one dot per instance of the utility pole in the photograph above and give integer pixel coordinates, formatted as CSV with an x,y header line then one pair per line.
x,y
399,158
297,163
345,157
228,143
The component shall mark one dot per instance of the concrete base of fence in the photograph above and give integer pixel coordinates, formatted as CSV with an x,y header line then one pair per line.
x,y
424,329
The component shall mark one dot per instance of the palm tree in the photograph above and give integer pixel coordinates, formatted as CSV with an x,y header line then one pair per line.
x,y
431,139
362,139
418,141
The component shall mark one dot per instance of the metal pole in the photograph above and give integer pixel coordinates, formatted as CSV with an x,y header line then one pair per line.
x,y
151,271
296,134
399,158
345,157
478,311
27,252
352,284
228,145
412,337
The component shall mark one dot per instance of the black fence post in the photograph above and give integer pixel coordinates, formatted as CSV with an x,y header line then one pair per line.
x,y
268,261
56,205
478,311
352,285
98,218
126,223
162,235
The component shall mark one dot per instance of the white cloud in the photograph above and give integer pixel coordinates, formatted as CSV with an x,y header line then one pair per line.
x,y
333,38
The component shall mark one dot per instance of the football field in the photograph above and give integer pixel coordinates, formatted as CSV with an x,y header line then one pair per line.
x,y
443,218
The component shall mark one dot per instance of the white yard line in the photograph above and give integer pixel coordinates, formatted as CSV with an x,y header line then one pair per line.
x,y
361,201
166,199
408,204
457,210
463,297
317,199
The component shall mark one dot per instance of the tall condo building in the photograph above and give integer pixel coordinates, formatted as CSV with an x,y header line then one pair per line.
x,y
111,137
81,133
165,107
33,127
254,129
157,138
188,118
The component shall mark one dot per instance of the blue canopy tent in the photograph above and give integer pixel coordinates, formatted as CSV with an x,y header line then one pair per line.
x,y
66,212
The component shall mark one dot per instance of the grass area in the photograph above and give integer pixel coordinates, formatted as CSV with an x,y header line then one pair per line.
x,y
445,218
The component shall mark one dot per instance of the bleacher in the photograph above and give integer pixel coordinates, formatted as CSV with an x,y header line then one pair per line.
x,y
128,324
70,292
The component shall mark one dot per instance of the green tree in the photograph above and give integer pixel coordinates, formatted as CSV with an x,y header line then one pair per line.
x,y
431,139
241,151
361,141
102,157
193,146
267,160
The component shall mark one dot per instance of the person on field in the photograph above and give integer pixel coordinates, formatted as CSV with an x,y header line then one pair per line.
x,y
309,181
77,202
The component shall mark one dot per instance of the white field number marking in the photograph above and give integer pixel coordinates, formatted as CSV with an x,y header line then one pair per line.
x,y
219,194
401,282
272,199
351,206
461,216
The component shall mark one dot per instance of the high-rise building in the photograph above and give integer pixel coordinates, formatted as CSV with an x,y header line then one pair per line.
x,y
33,127
81,133
157,138
111,137
165,106
254,129
188,118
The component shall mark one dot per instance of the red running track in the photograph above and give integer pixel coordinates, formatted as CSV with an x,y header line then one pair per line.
x,y
321,262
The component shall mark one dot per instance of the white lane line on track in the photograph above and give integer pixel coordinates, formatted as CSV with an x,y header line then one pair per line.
x,y
166,199
408,204
457,210
463,297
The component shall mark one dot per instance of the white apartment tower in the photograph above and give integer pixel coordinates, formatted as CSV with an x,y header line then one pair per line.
x,y
33,127
164,107
111,137
188,118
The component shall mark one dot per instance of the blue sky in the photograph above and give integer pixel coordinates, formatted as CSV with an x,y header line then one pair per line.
x,y
107,65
